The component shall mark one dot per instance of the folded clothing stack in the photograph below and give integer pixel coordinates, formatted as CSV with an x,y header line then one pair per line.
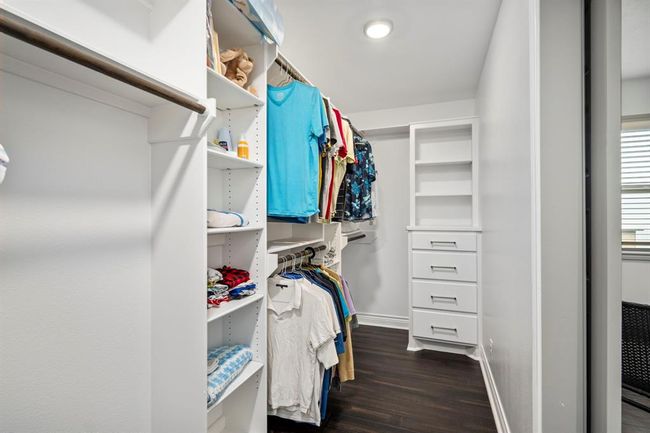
x,y
224,365
225,284
217,292
222,219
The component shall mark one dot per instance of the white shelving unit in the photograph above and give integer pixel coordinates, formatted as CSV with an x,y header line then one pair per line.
x,y
227,161
228,230
249,371
239,185
228,308
231,96
285,238
154,245
444,236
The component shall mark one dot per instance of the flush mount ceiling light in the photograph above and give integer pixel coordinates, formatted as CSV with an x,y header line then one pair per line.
x,y
378,29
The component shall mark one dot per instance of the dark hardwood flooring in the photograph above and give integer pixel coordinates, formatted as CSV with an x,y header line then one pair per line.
x,y
396,391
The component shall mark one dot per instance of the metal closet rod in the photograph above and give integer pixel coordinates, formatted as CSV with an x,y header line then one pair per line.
x,y
356,237
42,38
311,252
285,64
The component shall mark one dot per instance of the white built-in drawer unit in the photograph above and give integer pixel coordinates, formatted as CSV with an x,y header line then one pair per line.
x,y
444,295
441,241
451,327
444,265
444,236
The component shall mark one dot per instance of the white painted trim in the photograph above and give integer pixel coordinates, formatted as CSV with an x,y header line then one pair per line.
x,y
498,410
383,320
536,241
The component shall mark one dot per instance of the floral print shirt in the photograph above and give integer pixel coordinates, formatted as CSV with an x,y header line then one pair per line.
x,y
358,182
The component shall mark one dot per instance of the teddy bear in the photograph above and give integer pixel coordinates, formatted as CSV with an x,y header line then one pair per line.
x,y
237,65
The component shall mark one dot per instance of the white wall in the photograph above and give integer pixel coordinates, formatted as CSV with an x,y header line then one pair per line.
x,y
402,116
378,270
75,290
504,107
635,96
636,287
561,196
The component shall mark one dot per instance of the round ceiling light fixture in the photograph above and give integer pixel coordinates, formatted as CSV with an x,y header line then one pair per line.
x,y
378,29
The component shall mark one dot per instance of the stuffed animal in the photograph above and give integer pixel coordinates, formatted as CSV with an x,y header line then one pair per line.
x,y
238,65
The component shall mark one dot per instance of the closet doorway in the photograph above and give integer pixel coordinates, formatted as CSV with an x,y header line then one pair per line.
x,y
635,215
618,214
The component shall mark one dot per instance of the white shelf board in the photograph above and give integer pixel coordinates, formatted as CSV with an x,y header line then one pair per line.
x,y
227,230
424,163
26,60
228,161
229,95
443,194
249,371
230,307
279,245
232,26
442,229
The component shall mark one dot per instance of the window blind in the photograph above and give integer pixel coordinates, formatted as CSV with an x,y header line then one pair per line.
x,y
635,194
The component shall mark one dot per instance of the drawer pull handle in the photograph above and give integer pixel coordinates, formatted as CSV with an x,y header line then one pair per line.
x,y
444,328
451,298
444,268
444,243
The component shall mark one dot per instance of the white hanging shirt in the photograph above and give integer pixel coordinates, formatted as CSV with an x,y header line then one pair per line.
x,y
301,346
4,160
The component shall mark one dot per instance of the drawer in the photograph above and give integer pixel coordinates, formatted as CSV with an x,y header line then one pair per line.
x,y
441,295
435,265
452,327
444,241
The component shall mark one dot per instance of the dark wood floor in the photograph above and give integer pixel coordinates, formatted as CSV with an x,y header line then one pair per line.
x,y
396,391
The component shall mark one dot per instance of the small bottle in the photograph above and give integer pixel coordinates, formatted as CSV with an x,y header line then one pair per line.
x,y
242,148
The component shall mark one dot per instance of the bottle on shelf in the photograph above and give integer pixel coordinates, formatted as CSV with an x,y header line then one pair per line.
x,y
242,147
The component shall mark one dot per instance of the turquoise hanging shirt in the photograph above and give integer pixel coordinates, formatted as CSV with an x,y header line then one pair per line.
x,y
296,125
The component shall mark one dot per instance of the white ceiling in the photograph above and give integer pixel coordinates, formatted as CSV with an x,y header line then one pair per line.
x,y
636,38
434,54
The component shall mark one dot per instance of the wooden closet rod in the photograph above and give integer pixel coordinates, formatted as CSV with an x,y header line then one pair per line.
x,y
42,38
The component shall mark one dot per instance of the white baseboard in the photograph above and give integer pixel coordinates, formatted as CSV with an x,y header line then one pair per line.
x,y
498,410
383,320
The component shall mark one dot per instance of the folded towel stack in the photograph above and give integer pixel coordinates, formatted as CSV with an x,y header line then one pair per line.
x,y
223,219
224,365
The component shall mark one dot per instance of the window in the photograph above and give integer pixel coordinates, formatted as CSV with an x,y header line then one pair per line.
x,y
635,181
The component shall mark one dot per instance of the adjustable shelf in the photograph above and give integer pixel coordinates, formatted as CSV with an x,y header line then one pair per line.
x,y
230,96
230,307
249,371
280,245
443,194
433,163
227,230
228,161
444,173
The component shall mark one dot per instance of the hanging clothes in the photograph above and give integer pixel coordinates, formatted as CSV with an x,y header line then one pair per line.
x,y
358,183
297,124
344,157
309,315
